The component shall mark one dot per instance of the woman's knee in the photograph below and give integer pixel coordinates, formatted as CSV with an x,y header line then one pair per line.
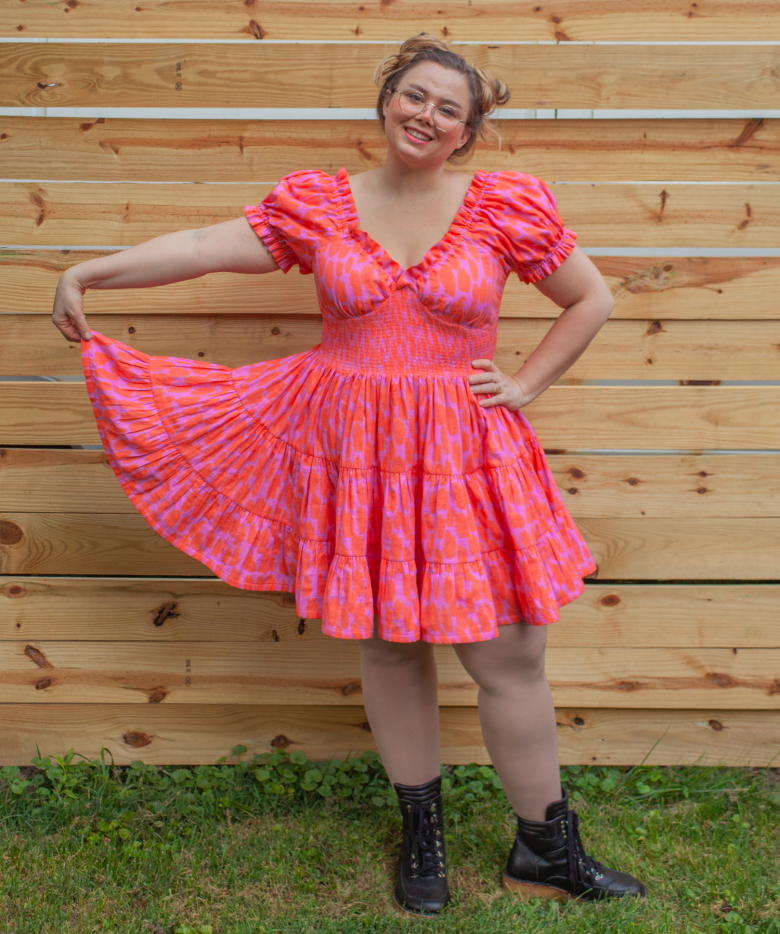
x,y
517,653
378,651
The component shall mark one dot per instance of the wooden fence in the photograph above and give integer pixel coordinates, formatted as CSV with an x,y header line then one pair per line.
x,y
111,637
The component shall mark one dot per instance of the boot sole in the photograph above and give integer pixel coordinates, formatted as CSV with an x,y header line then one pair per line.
x,y
526,891
411,911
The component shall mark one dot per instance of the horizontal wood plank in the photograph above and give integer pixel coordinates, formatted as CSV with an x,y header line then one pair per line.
x,y
191,734
637,549
692,418
562,75
336,20
701,288
122,609
592,485
704,350
651,215
327,671
121,150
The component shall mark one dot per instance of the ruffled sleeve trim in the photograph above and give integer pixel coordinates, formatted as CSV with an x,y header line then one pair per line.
x,y
535,272
521,224
257,216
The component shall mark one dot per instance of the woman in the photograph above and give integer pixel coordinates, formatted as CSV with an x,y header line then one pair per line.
x,y
387,476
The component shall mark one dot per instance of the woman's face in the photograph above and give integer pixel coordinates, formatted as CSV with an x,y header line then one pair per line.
x,y
416,139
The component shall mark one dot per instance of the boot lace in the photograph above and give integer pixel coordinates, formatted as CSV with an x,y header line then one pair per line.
x,y
427,852
584,871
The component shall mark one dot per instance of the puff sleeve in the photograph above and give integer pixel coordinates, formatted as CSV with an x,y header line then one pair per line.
x,y
526,227
295,218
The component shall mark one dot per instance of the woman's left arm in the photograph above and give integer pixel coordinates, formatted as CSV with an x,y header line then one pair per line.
x,y
579,288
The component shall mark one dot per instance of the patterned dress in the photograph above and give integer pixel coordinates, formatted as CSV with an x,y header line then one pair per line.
x,y
362,475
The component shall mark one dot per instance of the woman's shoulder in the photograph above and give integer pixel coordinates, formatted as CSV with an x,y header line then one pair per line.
x,y
520,189
307,185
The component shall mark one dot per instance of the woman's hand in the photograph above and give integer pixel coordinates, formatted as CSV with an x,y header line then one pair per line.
x,y
506,390
68,313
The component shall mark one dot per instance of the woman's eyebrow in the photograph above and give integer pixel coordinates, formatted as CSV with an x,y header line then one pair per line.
x,y
419,87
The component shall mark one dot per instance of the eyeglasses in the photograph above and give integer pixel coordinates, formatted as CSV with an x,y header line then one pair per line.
x,y
412,103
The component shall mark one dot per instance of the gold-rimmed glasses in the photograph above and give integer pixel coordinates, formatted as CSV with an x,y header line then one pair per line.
x,y
412,103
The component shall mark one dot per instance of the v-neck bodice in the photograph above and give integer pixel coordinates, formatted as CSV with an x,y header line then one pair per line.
x,y
466,208
507,222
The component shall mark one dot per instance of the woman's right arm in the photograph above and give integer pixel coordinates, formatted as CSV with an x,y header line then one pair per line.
x,y
186,254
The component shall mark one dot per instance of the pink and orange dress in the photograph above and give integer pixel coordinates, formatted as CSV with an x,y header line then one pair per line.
x,y
362,475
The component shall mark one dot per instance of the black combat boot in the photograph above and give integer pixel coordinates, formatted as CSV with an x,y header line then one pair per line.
x,y
548,861
422,887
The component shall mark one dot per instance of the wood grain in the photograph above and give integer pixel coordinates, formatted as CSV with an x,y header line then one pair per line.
x,y
122,609
704,350
54,74
121,150
327,671
636,549
701,288
466,20
592,485
191,734
692,418
651,215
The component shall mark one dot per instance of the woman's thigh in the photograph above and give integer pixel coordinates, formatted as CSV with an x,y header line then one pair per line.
x,y
516,653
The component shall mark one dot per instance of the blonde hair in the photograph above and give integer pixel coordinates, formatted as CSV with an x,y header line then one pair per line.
x,y
486,91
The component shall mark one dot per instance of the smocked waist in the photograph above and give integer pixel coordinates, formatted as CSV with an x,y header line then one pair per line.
x,y
403,336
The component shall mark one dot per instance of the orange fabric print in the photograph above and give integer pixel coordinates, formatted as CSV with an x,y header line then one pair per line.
x,y
362,475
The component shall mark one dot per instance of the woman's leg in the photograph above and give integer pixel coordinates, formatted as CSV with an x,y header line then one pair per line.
x,y
401,699
517,715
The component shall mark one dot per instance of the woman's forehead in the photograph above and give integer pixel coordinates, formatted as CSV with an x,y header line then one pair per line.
x,y
437,80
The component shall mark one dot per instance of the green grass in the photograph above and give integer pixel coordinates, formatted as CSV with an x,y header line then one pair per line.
x,y
281,845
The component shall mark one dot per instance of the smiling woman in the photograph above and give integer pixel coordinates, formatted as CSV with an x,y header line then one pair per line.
x,y
387,476
484,92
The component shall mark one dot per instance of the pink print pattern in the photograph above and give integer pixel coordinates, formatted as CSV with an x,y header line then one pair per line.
x,y
362,475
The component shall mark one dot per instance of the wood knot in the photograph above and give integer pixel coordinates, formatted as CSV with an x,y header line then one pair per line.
x,y
628,685
579,721
632,481
365,725
301,627
572,490
35,655
255,29
280,741
14,590
44,683
156,695
136,739
654,328
275,331
575,472
610,599
166,611
721,679
354,687
274,636
10,533
715,725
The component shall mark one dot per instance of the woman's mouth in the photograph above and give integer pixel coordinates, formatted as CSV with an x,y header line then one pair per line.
x,y
417,135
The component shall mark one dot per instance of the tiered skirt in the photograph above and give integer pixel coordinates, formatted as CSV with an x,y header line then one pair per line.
x,y
386,496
